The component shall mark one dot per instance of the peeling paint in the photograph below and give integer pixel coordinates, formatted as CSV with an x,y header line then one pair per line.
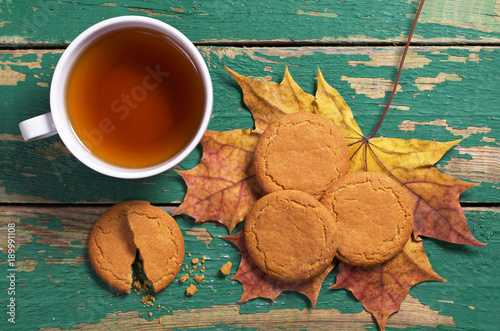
x,y
13,40
473,57
53,151
374,88
178,10
11,77
26,265
490,140
405,108
42,84
11,137
2,23
388,57
231,53
261,78
477,15
108,4
27,175
19,54
428,83
410,314
201,234
465,133
153,13
326,13
482,167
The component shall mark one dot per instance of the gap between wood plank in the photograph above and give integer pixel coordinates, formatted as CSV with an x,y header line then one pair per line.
x,y
174,205
284,43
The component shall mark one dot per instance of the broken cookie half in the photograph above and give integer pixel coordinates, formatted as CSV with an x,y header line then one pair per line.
x,y
130,226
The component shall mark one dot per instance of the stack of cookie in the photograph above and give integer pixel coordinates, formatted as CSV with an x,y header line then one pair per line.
x,y
314,211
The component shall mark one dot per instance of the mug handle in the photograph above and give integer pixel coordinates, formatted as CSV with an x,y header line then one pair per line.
x,y
38,127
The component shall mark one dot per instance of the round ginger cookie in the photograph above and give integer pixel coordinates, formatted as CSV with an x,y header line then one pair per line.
x,y
132,225
111,246
160,242
290,235
374,217
301,151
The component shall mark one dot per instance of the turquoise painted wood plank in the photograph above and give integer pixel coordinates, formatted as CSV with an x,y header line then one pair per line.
x,y
58,288
447,93
58,22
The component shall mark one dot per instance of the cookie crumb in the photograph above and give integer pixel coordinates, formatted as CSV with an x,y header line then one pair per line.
x,y
235,308
195,260
150,314
191,290
194,267
189,254
183,278
226,268
199,278
148,300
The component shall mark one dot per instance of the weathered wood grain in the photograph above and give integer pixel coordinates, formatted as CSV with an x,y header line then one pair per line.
x,y
57,287
412,314
54,22
446,93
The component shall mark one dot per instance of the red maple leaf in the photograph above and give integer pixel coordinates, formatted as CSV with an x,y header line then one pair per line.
x,y
256,283
382,288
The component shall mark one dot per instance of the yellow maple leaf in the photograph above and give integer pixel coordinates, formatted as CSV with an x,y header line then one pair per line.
x,y
269,101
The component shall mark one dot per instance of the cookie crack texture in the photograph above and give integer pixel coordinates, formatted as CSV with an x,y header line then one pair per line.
x,y
124,281
108,235
301,152
375,217
158,244
133,226
287,237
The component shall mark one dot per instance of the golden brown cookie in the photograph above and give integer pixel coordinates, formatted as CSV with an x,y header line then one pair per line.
x,y
290,235
301,151
374,217
160,243
132,225
111,246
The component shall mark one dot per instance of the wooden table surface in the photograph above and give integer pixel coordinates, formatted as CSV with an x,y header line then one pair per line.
x,y
449,90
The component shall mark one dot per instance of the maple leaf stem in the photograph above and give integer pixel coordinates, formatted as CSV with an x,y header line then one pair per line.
x,y
399,70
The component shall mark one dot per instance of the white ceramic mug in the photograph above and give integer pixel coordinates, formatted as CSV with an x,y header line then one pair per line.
x,y
57,122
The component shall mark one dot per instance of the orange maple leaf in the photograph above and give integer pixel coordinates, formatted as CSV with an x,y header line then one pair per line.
x,y
257,284
223,186
408,161
382,288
